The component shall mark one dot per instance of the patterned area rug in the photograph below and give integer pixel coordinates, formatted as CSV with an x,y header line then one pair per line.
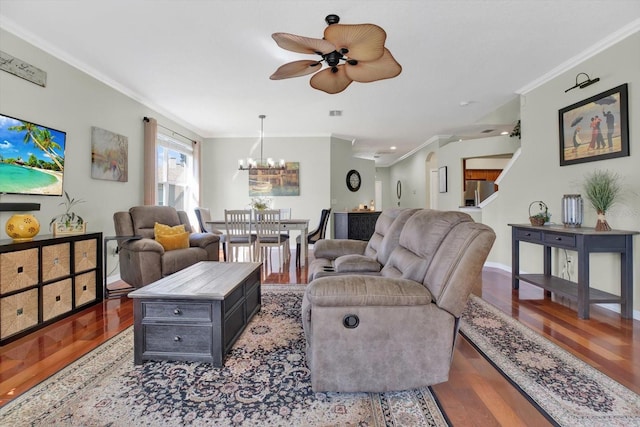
x,y
264,381
568,390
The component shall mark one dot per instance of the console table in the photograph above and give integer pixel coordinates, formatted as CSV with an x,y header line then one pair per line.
x,y
584,241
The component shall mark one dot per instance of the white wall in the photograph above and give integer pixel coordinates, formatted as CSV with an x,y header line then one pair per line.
x,y
536,174
342,162
451,155
324,163
73,101
226,187
412,170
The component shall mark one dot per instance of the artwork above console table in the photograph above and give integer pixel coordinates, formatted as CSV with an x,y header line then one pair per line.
x,y
584,241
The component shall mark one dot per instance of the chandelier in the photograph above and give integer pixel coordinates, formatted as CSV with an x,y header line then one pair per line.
x,y
262,164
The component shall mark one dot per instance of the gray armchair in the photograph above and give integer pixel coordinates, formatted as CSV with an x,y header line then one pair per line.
x,y
143,260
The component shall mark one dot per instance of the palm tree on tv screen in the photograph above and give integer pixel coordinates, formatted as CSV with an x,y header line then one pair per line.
x,y
42,139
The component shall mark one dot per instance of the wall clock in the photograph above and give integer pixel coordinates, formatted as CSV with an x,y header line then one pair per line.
x,y
353,180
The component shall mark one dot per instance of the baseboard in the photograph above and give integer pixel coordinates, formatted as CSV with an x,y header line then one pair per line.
x,y
112,279
611,307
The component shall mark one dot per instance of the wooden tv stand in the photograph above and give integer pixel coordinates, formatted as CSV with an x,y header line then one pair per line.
x,y
585,241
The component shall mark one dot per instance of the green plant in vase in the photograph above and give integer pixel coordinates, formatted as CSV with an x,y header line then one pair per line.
x,y
260,203
602,188
68,220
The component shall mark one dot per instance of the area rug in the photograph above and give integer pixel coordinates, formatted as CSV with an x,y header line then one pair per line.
x,y
569,391
264,381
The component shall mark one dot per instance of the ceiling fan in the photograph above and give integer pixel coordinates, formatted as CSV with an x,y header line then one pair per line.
x,y
352,53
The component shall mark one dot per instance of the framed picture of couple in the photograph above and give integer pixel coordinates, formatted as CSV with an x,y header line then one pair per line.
x,y
596,128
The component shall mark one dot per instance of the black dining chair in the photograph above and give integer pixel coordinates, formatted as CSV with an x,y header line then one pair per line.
x,y
204,215
316,234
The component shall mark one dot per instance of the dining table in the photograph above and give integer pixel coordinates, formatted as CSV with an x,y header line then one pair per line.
x,y
301,225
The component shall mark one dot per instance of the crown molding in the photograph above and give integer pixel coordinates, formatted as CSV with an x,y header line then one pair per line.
x,y
571,63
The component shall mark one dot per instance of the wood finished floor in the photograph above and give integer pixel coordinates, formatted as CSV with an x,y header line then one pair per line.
x,y
475,395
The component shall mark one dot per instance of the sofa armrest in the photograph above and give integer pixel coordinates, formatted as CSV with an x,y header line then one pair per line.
x,y
332,249
202,240
356,290
142,245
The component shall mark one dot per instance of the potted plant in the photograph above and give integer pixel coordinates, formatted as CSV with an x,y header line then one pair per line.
x,y
260,203
602,188
68,222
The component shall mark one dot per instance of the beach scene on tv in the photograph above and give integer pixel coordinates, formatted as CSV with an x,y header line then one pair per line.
x,y
31,158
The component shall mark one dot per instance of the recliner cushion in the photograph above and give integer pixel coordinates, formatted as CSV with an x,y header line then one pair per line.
x,y
356,264
356,290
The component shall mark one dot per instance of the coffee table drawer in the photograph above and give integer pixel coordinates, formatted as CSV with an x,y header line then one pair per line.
x,y
178,311
177,339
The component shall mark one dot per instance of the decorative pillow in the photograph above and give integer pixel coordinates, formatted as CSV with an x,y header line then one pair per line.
x,y
356,264
166,230
171,238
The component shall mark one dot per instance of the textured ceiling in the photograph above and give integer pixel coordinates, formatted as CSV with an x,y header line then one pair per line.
x,y
207,64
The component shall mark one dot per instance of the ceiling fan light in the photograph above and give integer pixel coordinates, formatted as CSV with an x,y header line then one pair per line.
x,y
295,69
302,44
330,81
364,42
332,19
370,71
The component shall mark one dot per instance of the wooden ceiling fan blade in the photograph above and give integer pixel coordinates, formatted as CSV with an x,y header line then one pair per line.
x,y
302,44
365,42
330,82
296,69
370,71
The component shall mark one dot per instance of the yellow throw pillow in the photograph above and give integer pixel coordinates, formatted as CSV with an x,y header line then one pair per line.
x,y
174,241
166,230
171,237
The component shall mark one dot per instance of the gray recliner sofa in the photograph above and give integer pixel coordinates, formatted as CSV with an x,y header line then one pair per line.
x,y
346,256
144,260
396,330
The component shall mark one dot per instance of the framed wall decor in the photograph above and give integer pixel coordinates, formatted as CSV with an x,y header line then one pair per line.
x,y
275,182
596,128
109,155
442,179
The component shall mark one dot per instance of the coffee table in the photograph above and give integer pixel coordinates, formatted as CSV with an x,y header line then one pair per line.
x,y
195,314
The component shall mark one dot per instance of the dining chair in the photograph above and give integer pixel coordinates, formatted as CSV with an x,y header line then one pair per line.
x,y
269,234
316,234
238,226
204,215
285,213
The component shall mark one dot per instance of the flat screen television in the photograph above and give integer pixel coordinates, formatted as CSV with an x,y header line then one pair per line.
x,y
31,158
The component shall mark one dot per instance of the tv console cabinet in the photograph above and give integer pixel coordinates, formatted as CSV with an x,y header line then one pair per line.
x,y
46,279
584,241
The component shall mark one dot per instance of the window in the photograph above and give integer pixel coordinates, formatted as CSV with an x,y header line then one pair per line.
x,y
175,174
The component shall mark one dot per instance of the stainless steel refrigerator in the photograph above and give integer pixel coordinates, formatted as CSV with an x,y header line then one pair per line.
x,y
477,191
